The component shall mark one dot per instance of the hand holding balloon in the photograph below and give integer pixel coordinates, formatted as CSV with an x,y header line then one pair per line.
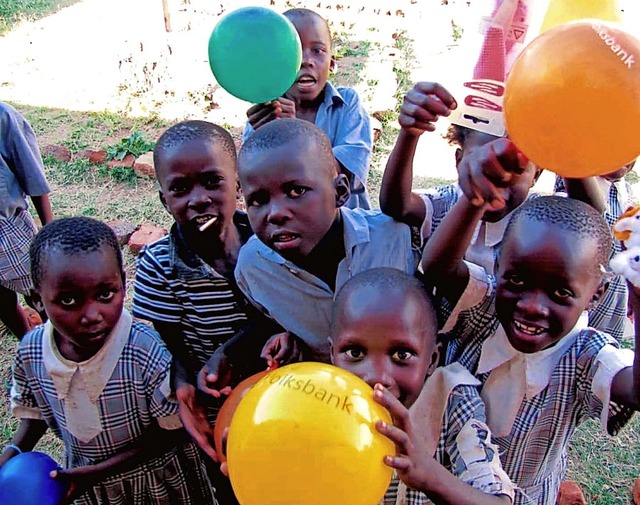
x,y
262,113
77,480
281,348
194,419
215,375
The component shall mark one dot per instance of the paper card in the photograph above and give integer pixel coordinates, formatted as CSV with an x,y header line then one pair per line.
x,y
480,106
516,32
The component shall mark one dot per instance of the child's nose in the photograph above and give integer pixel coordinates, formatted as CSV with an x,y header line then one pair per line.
x,y
533,303
199,197
379,374
278,211
307,59
92,315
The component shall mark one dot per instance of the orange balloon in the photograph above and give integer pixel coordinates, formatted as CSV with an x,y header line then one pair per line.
x,y
572,100
223,420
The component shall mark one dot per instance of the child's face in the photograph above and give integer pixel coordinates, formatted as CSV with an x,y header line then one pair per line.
x,y
317,58
198,182
381,339
292,197
546,278
514,195
83,295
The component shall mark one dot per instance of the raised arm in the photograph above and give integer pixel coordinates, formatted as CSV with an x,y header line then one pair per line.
x,y
421,107
625,387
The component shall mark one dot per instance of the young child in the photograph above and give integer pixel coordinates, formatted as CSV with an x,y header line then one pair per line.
x,y
21,174
99,380
336,111
306,245
543,370
610,314
184,282
384,331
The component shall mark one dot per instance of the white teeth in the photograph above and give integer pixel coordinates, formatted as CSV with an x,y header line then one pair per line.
x,y
531,330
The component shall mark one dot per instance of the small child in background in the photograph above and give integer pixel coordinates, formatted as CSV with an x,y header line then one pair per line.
x,y
336,111
384,331
521,333
99,380
184,282
610,314
21,174
307,245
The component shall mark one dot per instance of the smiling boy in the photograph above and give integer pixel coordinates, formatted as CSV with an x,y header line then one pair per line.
x,y
336,111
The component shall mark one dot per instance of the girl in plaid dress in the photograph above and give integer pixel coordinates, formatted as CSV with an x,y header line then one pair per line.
x,y
523,333
99,380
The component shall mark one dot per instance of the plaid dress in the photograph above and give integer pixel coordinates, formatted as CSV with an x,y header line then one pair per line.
x,y
135,396
16,234
610,314
464,445
534,453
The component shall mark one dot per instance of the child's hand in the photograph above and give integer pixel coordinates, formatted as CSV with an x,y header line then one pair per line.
x,y
412,462
486,170
78,479
262,113
280,349
194,419
215,375
423,105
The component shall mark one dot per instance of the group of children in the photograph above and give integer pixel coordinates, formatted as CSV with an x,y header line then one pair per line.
x,y
477,343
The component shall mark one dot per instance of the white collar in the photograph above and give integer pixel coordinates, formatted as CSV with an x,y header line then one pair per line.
x,y
96,371
539,366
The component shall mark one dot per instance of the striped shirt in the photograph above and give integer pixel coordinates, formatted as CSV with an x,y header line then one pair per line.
x,y
534,452
173,285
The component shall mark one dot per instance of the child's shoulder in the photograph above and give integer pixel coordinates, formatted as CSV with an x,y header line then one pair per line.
x,y
349,95
32,342
145,342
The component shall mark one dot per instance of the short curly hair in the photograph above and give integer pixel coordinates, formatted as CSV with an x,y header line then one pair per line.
x,y
71,236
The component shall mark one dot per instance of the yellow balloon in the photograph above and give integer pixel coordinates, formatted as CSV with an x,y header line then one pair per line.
x,y
563,11
305,434
572,99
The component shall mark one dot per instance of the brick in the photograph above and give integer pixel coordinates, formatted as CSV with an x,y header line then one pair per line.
x,y
146,234
636,492
123,230
570,494
59,153
144,167
97,157
126,162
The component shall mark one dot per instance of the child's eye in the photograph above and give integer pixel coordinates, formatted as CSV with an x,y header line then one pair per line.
x,y
106,296
179,189
296,191
354,353
514,280
403,355
212,182
563,293
67,301
256,200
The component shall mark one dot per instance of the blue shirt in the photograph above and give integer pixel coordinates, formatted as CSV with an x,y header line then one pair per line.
x,y
299,301
344,120
21,168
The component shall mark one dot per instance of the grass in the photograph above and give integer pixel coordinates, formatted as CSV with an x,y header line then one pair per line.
x,y
605,467
14,11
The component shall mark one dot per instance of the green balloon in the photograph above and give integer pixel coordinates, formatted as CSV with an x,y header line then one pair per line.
x,y
255,54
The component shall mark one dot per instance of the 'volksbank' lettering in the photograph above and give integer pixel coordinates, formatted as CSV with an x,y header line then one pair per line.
x,y
307,387
617,49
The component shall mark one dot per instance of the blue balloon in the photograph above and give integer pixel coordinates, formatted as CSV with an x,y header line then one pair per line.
x,y
25,480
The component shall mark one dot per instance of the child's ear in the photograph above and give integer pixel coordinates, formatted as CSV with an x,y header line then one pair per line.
x,y
602,289
36,299
435,358
343,192
333,64
163,201
458,156
238,189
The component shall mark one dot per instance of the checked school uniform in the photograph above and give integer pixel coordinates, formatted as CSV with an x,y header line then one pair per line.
x,y
610,314
535,401
449,417
103,405
21,174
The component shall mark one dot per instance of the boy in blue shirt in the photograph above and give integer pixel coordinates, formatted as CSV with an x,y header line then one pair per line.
x,y
336,111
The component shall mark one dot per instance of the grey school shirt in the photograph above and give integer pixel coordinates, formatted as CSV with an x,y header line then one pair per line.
x,y
300,302
21,168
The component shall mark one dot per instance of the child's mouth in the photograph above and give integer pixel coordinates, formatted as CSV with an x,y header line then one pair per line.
x,y
204,222
285,241
306,82
529,330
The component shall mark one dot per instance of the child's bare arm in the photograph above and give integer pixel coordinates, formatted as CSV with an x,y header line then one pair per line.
x,y
418,469
25,438
43,208
153,443
625,387
586,190
421,107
